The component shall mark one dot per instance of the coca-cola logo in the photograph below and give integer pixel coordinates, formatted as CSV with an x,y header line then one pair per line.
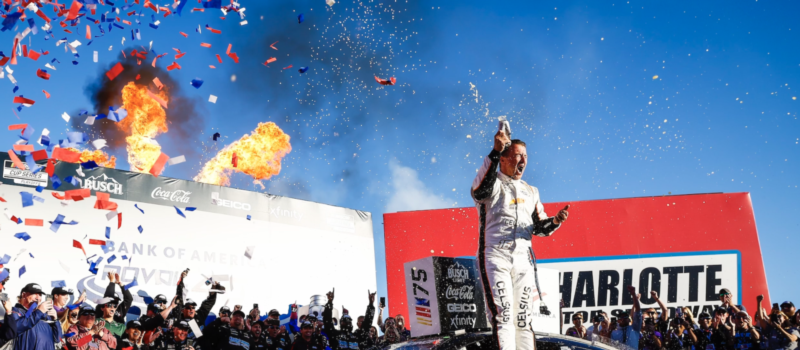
x,y
460,293
179,196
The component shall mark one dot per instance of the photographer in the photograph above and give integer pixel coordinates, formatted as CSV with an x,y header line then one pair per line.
x,y
90,334
651,337
601,326
34,332
577,330
344,337
681,336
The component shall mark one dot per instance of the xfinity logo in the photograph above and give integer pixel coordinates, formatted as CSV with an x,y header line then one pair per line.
x,y
457,321
103,183
285,213
228,203
179,196
462,308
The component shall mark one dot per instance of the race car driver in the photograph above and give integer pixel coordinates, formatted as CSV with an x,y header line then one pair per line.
x,y
510,213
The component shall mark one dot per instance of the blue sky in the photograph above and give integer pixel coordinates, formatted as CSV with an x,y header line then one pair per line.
x,y
576,80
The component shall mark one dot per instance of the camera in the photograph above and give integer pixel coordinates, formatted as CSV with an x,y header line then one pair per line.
x,y
599,318
255,306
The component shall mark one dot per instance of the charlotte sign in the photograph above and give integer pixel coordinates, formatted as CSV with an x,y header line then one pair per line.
x,y
686,247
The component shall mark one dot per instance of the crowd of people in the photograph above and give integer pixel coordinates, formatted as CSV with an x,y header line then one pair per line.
x,y
36,322
728,327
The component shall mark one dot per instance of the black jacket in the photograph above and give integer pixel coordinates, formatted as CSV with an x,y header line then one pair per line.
x,y
124,305
317,343
340,339
167,342
221,336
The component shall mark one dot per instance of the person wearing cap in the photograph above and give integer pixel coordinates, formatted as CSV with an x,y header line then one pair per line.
x,y
779,332
344,337
8,328
90,333
745,337
229,335
258,341
273,337
577,330
722,329
132,338
120,307
307,339
726,297
61,299
680,335
178,339
108,307
629,328
188,308
705,332
156,316
787,307
35,331
661,321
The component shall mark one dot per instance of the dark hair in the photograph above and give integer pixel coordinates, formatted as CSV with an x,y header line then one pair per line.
x,y
513,142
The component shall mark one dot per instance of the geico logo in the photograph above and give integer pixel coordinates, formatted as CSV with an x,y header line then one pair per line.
x,y
462,308
231,204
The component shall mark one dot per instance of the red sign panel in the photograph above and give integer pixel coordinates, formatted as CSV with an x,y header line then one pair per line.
x,y
607,233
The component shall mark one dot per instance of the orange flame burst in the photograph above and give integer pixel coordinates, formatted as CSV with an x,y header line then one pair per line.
x,y
146,119
101,158
258,155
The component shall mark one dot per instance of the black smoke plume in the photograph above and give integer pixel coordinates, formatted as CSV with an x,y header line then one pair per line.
x,y
185,115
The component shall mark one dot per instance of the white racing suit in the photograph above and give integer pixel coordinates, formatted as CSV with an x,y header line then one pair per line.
x,y
510,213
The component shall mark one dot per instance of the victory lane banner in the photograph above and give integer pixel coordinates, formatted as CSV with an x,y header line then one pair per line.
x,y
589,286
686,247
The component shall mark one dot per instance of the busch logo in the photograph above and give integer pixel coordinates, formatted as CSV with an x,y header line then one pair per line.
x,y
103,183
462,308
457,321
457,273
459,293
179,196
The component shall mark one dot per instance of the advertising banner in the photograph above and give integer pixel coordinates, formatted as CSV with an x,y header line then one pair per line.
x,y
685,247
263,248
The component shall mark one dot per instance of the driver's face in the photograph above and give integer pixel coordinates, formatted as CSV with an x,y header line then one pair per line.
x,y
514,162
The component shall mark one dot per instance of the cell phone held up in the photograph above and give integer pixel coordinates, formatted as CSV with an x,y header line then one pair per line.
x,y
383,302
